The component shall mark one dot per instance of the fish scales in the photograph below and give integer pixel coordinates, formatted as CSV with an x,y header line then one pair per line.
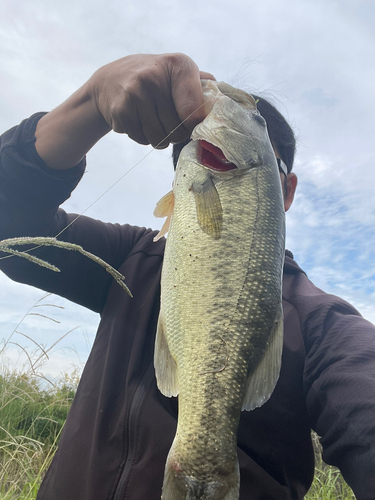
x,y
221,297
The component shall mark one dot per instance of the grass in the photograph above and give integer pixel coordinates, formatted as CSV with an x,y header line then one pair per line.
x,y
31,419
33,411
328,483
31,422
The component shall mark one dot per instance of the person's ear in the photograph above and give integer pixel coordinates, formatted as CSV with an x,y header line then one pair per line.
x,y
291,182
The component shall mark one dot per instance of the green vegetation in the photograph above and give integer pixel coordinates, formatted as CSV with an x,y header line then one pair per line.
x,y
328,483
6,246
31,420
33,411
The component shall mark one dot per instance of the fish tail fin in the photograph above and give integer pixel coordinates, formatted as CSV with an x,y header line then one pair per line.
x,y
182,486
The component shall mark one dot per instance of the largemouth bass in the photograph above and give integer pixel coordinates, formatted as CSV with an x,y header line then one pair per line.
x,y
219,337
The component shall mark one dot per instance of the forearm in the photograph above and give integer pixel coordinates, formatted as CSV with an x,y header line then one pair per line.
x,y
29,195
30,192
155,99
67,133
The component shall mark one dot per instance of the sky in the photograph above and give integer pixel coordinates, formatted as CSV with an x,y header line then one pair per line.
x,y
312,59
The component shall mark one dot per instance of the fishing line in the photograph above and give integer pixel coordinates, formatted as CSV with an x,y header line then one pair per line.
x,y
115,183
130,169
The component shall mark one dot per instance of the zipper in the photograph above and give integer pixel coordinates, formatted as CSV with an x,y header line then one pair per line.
x,y
132,435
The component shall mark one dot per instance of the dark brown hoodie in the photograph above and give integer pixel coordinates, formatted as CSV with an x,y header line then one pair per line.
x,y
120,428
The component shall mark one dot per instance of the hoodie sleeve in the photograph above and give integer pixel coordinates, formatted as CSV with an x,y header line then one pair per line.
x,y
339,382
30,195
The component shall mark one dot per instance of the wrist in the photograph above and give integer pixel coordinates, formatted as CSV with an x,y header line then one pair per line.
x,y
66,134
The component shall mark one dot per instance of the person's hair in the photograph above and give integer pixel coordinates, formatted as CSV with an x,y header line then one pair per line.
x,y
279,131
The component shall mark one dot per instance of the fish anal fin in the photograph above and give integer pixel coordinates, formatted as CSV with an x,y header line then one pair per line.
x,y
263,379
208,206
165,365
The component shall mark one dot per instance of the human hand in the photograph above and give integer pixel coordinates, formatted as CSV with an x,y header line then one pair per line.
x,y
148,96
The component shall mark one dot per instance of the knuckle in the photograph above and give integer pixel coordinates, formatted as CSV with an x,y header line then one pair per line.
x,y
176,57
180,63
117,114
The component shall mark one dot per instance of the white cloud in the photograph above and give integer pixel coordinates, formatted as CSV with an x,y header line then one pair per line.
x,y
312,57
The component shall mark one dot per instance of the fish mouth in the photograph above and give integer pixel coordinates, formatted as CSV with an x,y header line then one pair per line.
x,y
212,157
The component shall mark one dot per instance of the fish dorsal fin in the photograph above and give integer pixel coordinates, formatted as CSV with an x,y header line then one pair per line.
x,y
165,365
164,208
262,381
208,205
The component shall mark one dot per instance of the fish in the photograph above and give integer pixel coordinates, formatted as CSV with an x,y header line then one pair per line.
x,y
220,329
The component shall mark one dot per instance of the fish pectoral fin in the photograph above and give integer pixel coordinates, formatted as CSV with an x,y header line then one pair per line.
x,y
164,208
262,381
165,365
208,205
165,205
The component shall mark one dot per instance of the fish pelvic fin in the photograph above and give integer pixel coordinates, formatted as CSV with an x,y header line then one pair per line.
x,y
262,381
164,208
165,365
182,486
208,205
163,231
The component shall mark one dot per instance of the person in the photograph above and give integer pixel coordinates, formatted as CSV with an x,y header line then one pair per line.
x,y
120,427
